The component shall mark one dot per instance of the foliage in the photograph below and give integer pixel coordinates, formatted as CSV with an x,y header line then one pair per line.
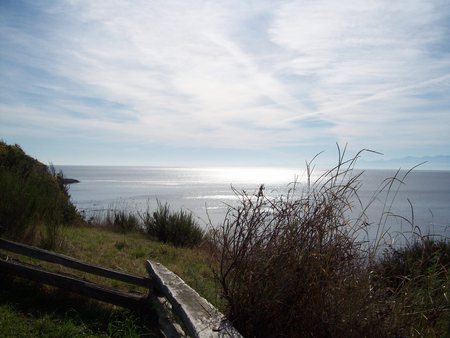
x,y
413,282
178,228
416,258
122,221
295,266
287,265
31,196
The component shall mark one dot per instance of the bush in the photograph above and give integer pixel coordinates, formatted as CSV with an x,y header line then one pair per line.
x,y
178,228
31,196
413,281
290,266
415,259
122,221
293,266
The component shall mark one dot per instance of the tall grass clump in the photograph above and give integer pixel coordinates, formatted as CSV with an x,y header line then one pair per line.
x,y
295,265
122,221
34,202
118,216
178,228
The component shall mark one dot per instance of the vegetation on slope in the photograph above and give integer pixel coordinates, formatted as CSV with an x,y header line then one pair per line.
x,y
178,228
34,202
44,311
31,310
295,266
287,267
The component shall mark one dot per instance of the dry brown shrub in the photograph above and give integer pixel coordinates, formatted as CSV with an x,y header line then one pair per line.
x,y
292,266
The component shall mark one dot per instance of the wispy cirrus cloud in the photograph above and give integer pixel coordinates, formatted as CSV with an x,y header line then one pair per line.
x,y
229,74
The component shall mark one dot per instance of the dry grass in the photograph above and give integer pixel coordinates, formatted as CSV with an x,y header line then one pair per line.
x,y
293,266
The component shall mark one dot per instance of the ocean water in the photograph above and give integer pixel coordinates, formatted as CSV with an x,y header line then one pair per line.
x,y
208,192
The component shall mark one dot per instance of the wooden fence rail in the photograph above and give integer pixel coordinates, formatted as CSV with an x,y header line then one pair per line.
x,y
198,316
201,318
76,285
73,263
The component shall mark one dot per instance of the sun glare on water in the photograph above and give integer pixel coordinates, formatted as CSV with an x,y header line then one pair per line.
x,y
257,175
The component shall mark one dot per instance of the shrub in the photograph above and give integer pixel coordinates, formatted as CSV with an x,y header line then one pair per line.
x,y
296,266
413,282
290,266
178,228
122,221
31,196
157,224
416,258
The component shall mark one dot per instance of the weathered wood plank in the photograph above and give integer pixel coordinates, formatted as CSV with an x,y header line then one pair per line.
x,y
169,327
76,285
200,317
73,263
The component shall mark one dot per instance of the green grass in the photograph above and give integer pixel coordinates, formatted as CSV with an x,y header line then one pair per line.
x,y
128,252
29,310
286,267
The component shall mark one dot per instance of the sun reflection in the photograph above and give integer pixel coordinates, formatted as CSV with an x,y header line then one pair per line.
x,y
257,175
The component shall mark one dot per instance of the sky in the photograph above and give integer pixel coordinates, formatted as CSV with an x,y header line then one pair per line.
x,y
226,83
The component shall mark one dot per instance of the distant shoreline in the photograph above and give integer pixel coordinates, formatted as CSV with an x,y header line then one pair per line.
x,y
69,181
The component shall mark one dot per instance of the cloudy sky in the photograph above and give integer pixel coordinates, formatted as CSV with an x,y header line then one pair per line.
x,y
224,82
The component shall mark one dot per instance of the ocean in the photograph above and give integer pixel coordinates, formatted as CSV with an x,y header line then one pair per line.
x,y
208,192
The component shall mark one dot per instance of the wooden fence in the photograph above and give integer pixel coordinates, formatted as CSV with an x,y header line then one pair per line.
x,y
168,294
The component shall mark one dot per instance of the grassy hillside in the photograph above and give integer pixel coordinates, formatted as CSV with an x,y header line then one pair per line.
x,y
27,309
35,208
34,202
287,267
